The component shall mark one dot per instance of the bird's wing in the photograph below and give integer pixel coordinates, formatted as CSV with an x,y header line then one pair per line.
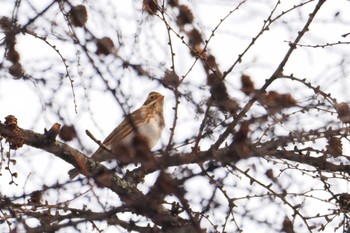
x,y
118,134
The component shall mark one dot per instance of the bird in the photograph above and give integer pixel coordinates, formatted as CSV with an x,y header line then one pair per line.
x,y
143,127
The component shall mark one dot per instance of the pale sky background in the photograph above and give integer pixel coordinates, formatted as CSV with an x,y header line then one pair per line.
x,y
24,100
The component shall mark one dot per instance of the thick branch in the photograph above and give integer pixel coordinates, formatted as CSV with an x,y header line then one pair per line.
x,y
127,192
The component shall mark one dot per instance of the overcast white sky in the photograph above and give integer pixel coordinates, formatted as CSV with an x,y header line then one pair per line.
x,y
24,100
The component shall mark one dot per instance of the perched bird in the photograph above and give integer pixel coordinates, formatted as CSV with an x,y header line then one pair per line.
x,y
143,127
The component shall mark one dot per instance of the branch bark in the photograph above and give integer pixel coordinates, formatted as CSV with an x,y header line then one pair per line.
x,y
128,193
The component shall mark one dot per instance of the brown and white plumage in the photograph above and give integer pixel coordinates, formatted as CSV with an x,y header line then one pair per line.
x,y
146,122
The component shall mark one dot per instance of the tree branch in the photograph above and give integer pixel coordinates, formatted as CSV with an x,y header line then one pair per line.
x,y
127,192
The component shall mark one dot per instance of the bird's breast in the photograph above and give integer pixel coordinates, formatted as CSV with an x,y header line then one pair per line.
x,y
151,130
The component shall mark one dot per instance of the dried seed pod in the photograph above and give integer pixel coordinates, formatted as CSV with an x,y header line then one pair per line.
x,y
217,88
287,225
171,79
197,50
5,24
78,16
344,201
105,46
334,147
195,37
231,105
275,102
185,15
241,142
173,3
12,55
211,61
16,70
16,140
270,175
67,133
150,6
343,111
247,85
11,122
219,95
243,131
